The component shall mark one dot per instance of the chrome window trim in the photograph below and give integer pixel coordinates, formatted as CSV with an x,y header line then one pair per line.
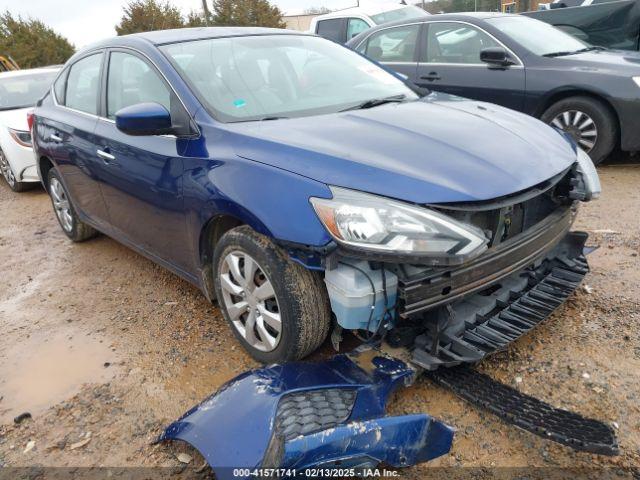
x,y
462,22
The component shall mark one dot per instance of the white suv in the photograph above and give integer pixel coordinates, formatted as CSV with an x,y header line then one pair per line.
x,y
342,25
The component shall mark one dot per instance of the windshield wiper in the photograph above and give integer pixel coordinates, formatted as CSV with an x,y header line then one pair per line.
x,y
573,52
376,102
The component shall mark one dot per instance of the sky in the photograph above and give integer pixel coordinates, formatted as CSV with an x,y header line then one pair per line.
x,y
85,21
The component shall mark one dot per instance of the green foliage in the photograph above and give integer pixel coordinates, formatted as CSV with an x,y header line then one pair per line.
x,y
31,43
247,13
148,15
452,6
195,19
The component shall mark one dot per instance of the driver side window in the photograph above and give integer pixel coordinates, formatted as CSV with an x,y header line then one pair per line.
x,y
450,42
131,80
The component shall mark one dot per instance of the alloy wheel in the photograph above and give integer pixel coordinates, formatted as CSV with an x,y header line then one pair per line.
x,y
61,204
5,168
250,301
580,126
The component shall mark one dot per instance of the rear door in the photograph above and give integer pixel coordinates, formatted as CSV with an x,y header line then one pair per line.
x,y
396,48
450,62
143,188
69,134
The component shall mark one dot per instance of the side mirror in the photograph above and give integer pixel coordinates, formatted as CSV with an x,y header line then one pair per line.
x,y
144,119
495,56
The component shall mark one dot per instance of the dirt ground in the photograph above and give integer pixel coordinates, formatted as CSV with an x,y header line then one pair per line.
x,y
104,348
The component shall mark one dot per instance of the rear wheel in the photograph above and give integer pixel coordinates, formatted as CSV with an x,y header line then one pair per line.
x,y
589,122
277,309
10,177
72,226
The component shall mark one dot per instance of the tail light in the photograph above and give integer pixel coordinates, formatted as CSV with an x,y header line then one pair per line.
x,y
30,119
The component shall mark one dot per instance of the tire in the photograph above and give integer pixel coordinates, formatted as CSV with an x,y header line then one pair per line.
x,y
299,298
606,125
71,225
9,176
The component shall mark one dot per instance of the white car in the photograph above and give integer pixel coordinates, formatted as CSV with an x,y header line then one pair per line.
x,y
19,91
342,25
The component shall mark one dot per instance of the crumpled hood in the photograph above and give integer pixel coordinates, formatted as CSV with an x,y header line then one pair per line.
x,y
16,119
440,149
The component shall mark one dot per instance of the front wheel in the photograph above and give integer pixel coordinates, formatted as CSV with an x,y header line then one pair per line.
x,y
590,123
276,308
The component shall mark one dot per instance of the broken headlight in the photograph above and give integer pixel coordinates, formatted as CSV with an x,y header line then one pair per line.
x,y
387,226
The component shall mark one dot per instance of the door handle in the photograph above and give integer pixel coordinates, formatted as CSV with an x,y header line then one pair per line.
x,y
55,138
106,156
431,76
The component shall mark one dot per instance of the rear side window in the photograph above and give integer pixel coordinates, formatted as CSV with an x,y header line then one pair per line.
x,y
131,80
394,44
58,87
83,84
331,29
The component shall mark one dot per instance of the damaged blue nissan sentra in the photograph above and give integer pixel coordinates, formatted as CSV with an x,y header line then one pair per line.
x,y
301,184
309,190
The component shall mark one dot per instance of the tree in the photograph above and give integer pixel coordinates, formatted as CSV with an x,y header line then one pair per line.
x,y
31,43
247,13
148,15
195,19
317,11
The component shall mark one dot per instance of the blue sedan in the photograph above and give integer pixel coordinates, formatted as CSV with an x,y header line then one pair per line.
x,y
304,186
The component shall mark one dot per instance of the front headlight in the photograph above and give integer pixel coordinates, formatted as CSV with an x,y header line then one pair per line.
x,y
21,137
637,80
589,176
386,226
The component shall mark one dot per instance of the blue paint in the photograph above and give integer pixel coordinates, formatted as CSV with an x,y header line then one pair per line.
x,y
240,103
161,193
234,427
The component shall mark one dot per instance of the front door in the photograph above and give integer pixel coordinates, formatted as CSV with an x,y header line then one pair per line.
x,y
450,63
143,190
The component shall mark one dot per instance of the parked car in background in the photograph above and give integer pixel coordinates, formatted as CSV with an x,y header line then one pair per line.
x,y
612,24
343,25
591,93
297,181
19,91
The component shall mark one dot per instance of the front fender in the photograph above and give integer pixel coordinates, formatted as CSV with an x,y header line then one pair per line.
x,y
272,201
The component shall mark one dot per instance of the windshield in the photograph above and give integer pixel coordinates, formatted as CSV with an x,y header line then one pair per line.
x,y
536,36
267,77
20,91
405,13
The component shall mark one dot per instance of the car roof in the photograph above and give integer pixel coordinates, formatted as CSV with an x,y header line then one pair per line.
x,y
162,37
449,16
29,71
365,9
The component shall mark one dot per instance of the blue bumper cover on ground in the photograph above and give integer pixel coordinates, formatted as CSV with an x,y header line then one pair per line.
x,y
305,415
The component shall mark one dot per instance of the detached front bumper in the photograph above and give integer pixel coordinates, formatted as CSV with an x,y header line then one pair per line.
x,y
299,416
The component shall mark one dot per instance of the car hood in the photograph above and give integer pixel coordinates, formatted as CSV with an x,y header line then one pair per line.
x,y
16,119
438,149
617,62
